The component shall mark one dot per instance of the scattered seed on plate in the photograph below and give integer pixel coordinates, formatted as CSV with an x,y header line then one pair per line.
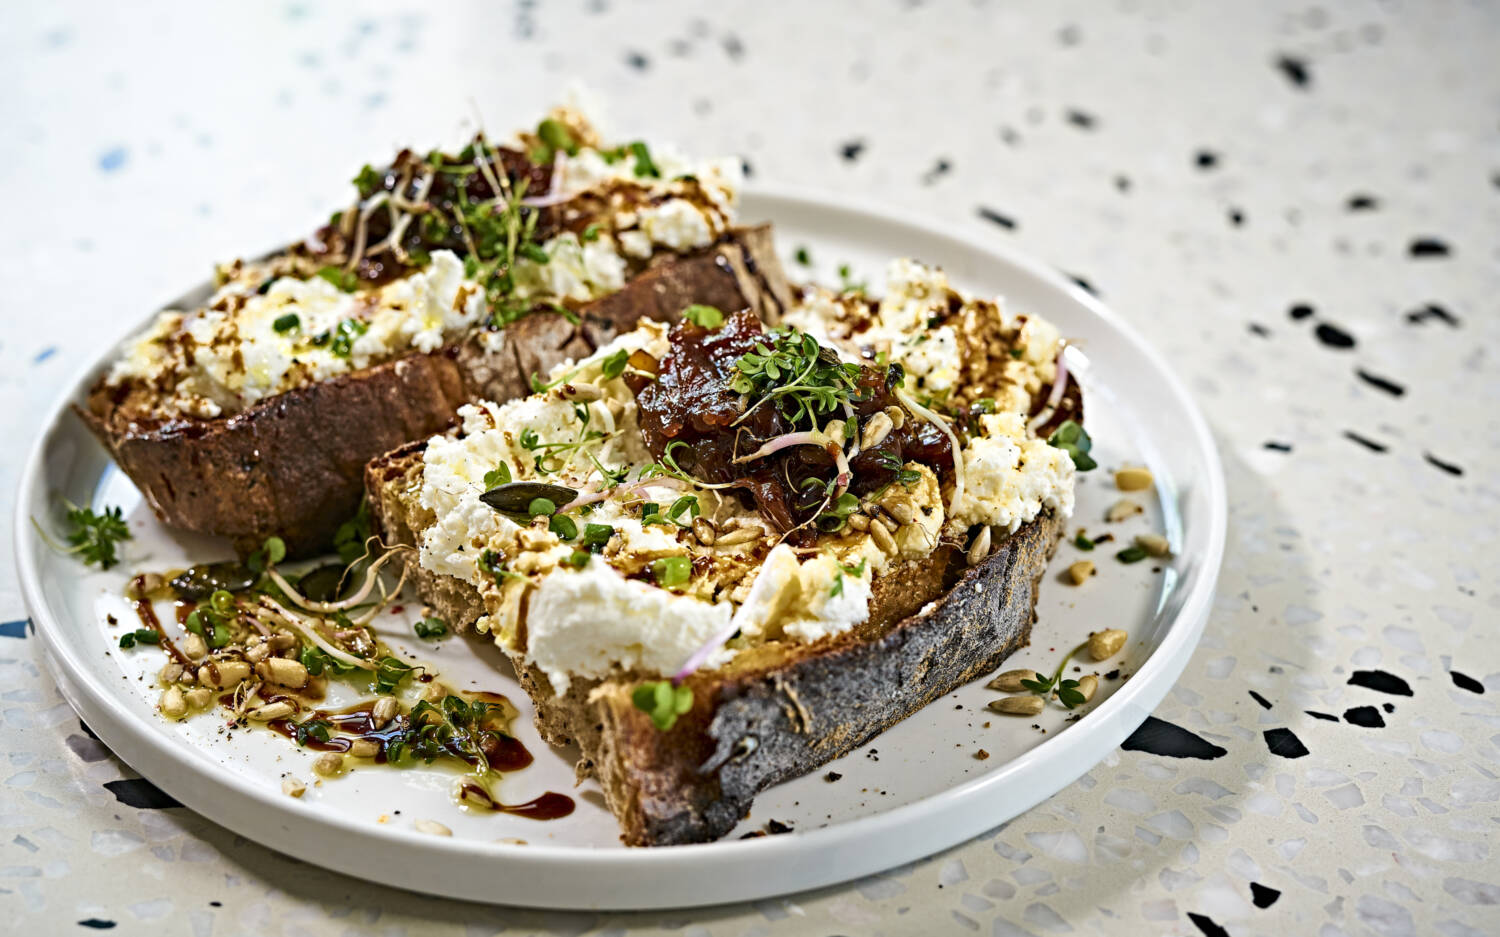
x,y
431,826
1133,478
1018,705
1122,509
1154,544
328,765
1080,571
1088,685
1106,644
1010,681
293,787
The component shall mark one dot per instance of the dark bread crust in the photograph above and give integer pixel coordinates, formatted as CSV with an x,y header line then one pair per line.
x,y
292,465
935,625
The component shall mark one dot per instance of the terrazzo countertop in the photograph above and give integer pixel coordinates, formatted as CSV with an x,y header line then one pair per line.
x,y
1298,204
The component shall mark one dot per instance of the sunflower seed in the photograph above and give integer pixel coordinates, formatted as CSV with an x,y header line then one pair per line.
x,y
742,535
293,787
199,697
221,674
1010,681
433,827
980,548
1088,685
170,673
859,522
277,710
364,748
897,416
1106,644
1133,478
328,765
1122,509
883,539
285,671
704,530
876,430
194,647
173,704
1018,705
383,711
1154,544
903,513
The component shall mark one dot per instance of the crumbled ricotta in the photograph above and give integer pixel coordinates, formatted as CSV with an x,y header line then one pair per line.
x,y
1011,476
229,354
807,600
588,622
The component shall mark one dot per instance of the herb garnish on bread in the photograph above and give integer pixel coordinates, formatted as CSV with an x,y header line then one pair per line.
x,y
720,556
451,277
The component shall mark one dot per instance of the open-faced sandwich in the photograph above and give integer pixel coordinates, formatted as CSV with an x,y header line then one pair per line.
x,y
721,554
451,277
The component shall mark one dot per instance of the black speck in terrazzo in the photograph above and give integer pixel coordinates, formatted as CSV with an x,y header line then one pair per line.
x,y
1277,446
1205,159
141,794
832,776
1380,383
1388,707
1159,737
1236,217
733,47
1465,682
1333,337
1295,69
95,923
1083,120
1207,924
1010,136
1380,682
1263,895
1069,35
1284,743
1264,703
1300,311
637,61
1326,717
940,168
1362,202
1365,716
1122,184
1083,284
745,165
852,150
1257,329
1451,468
1365,441
1432,311
994,217
1427,247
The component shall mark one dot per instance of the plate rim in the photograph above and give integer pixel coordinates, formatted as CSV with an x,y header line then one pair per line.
x,y
1127,707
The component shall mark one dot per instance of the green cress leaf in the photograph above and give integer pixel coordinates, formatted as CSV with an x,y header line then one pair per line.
x,y
644,165
541,507
563,526
590,234
345,280
614,365
803,256
1082,542
349,540
499,475
430,628
368,182
271,552
662,702
1071,438
704,316
555,134
94,536
389,673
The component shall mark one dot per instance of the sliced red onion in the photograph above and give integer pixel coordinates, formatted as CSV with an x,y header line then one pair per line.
x,y
700,656
803,438
1059,387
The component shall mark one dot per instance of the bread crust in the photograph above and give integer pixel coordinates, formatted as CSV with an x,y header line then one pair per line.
x,y
935,625
292,465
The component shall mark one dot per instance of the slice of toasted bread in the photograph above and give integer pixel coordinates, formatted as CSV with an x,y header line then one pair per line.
x,y
776,711
291,465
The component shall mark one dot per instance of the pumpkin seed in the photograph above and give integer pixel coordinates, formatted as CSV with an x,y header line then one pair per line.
x,y
201,581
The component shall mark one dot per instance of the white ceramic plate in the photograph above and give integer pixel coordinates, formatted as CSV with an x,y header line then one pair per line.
x,y
918,788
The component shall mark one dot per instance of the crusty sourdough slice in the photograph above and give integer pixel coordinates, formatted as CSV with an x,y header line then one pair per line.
x,y
291,465
775,711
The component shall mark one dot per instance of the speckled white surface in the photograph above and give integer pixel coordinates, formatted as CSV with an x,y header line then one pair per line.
x,y
143,142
